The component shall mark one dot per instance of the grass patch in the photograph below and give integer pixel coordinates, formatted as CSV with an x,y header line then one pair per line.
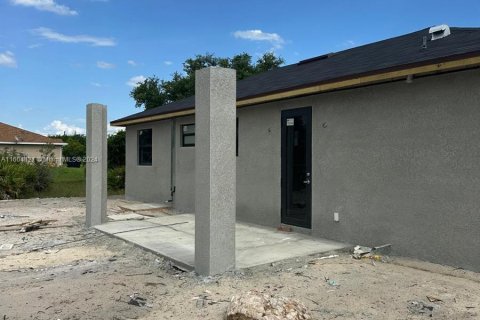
x,y
69,182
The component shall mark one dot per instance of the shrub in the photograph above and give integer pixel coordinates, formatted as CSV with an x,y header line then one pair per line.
x,y
21,179
116,178
43,177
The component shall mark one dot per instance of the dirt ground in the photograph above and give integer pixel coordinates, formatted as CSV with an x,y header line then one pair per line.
x,y
69,272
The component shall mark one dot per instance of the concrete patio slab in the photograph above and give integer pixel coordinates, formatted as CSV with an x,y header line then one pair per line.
x,y
142,206
173,237
171,219
124,226
127,216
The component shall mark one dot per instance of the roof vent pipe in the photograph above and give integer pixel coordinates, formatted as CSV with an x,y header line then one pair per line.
x,y
439,32
424,43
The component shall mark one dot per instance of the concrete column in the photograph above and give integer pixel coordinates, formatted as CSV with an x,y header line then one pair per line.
x,y
96,164
215,170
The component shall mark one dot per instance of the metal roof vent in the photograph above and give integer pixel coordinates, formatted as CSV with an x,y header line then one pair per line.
x,y
439,32
322,57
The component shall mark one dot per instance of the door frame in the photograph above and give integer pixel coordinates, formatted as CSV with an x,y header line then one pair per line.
x,y
307,113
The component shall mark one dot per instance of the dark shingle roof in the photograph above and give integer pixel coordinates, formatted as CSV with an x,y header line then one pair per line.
x,y
393,53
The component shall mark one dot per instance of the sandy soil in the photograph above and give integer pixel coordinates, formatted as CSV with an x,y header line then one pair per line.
x,y
70,272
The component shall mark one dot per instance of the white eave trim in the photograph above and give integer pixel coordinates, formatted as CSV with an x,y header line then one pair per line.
x,y
34,143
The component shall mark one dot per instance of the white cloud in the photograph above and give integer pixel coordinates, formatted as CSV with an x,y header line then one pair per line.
x,y
96,84
258,35
34,46
52,35
133,81
46,5
59,127
105,65
111,130
349,43
7,59
132,63
168,63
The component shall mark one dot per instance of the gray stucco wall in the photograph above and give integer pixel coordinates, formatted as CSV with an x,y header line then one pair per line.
x,y
258,167
148,183
259,164
184,170
152,183
399,162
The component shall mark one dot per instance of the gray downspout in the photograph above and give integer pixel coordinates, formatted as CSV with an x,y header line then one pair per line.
x,y
172,159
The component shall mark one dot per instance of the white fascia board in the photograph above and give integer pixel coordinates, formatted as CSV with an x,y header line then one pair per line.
x,y
34,143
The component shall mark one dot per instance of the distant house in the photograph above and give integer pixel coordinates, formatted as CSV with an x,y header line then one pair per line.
x,y
371,145
29,144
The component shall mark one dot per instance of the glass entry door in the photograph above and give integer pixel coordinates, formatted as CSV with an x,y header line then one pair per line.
x,y
296,167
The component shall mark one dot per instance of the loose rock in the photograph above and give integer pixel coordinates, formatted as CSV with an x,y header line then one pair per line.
x,y
254,305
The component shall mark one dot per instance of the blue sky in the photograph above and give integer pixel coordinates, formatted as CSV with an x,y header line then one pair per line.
x,y
58,55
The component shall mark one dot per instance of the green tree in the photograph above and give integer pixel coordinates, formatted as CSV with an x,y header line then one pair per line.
x,y
178,88
148,93
116,149
75,148
154,92
268,62
243,64
203,61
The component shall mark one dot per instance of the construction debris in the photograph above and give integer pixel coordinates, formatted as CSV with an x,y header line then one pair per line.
x,y
6,246
375,253
174,267
328,257
420,308
30,226
139,274
383,250
126,217
136,300
204,299
201,301
314,261
254,305
433,299
359,252
331,282
11,216
26,226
